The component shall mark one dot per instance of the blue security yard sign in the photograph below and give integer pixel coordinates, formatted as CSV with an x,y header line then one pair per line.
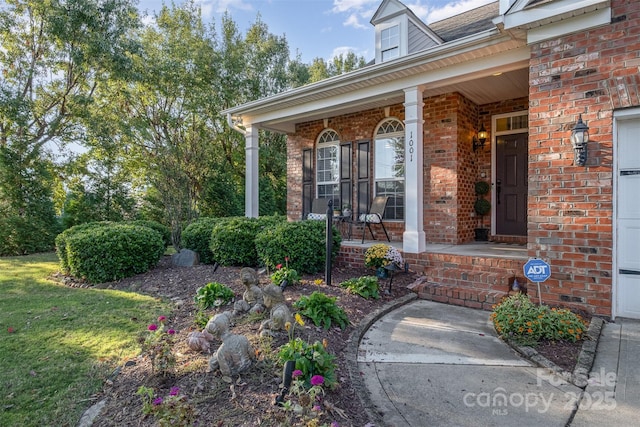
x,y
537,270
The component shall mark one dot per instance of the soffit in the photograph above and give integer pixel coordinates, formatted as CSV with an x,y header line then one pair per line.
x,y
471,66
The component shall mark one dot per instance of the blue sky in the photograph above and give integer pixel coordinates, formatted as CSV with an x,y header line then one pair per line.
x,y
319,28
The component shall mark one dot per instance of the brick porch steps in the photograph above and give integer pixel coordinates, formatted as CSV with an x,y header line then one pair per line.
x,y
470,280
472,276
456,295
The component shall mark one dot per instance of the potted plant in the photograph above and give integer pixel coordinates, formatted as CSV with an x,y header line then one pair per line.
x,y
482,207
380,255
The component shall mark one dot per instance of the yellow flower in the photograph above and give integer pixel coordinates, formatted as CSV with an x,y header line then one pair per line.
x,y
529,323
318,282
287,326
530,330
299,319
325,343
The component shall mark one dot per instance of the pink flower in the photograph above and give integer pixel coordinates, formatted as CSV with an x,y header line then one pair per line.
x,y
296,373
317,380
279,266
157,401
174,391
335,424
152,327
162,319
171,332
10,330
317,408
286,258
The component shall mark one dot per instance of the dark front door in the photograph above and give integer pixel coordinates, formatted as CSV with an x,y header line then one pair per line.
x,y
511,184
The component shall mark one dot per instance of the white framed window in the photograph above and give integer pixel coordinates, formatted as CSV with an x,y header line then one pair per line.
x,y
390,43
328,166
389,166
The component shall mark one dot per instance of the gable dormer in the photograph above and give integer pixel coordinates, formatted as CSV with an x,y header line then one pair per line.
x,y
399,32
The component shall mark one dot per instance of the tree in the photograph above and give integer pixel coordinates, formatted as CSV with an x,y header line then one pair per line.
x,y
53,56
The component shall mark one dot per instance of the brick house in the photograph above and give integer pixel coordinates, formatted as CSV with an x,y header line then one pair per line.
x,y
492,95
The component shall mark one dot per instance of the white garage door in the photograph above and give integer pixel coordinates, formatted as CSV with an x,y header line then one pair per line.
x,y
628,217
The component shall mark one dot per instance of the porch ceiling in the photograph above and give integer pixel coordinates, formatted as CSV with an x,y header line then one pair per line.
x,y
485,68
480,90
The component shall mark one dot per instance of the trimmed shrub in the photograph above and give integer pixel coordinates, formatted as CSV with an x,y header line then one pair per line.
x,y
164,231
303,242
232,242
105,253
61,240
197,237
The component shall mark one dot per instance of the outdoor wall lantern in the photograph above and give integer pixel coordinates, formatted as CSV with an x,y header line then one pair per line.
x,y
579,139
478,142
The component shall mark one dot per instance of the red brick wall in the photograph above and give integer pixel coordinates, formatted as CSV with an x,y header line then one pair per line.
x,y
570,207
351,127
451,166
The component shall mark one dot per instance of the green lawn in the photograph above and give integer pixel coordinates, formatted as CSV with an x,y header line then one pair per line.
x,y
58,344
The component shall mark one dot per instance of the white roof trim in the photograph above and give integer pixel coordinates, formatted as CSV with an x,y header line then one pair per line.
x,y
521,16
568,26
365,75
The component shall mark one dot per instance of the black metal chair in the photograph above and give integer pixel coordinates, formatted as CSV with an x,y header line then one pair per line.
x,y
318,209
375,215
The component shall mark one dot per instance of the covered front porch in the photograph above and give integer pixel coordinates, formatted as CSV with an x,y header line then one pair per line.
x,y
476,274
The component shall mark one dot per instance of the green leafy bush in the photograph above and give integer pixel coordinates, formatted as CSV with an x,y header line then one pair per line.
x,y
311,359
164,231
105,253
322,310
26,235
365,286
232,242
61,240
302,242
519,319
213,294
197,237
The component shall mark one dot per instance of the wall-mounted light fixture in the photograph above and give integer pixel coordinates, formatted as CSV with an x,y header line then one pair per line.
x,y
478,142
579,139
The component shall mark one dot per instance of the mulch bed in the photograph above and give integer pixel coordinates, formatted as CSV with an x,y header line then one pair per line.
x,y
249,401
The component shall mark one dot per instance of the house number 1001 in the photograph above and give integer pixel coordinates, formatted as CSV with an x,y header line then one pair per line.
x,y
411,146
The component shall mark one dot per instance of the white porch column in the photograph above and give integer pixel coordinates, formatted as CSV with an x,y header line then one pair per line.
x,y
413,237
251,173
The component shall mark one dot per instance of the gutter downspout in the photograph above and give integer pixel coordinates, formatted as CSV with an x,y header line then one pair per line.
x,y
251,207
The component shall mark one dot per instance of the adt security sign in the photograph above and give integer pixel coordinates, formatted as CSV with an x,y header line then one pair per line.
x,y
537,270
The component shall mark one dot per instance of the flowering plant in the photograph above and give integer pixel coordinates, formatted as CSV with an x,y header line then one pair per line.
x,y
172,410
283,273
158,344
290,328
307,403
380,255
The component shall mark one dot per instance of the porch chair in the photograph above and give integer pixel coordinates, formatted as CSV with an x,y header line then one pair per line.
x,y
318,209
375,215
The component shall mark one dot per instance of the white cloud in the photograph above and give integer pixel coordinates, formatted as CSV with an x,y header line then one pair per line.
x,y
429,14
220,6
344,50
354,21
340,6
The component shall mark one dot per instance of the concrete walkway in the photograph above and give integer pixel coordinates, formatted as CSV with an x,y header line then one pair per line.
x,y
432,364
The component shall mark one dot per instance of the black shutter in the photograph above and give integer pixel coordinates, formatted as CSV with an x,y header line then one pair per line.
x,y
363,177
345,174
307,181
